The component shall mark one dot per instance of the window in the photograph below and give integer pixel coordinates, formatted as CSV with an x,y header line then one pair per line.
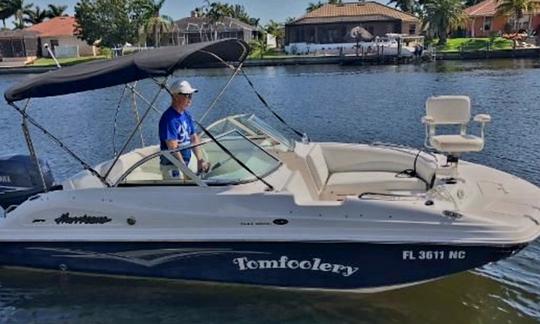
x,y
412,29
487,23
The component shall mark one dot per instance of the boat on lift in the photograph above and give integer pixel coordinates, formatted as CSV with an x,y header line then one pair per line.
x,y
271,211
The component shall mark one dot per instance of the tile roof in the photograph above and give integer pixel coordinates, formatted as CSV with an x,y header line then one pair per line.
x,y
361,10
486,8
57,26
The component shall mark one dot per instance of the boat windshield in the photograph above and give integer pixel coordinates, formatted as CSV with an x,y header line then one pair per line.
x,y
162,168
253,128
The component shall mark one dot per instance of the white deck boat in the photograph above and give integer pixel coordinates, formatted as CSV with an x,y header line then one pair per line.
x,y
271,211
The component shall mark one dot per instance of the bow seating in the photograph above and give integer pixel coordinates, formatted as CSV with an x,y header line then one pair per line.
x,y
339,170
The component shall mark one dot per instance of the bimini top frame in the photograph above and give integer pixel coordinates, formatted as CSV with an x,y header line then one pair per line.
x,y
154,65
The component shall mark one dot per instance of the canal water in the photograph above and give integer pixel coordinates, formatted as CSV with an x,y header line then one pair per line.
x,y
330,103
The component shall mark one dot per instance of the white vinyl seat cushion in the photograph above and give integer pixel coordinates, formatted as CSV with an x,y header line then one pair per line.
x,y
317,167
457,143
356,183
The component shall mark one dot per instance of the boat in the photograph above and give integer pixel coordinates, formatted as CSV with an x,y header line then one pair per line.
x,y
391,44
272,211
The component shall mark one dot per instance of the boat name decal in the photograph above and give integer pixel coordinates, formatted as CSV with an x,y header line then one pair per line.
x,y
5,178
315,264
85,219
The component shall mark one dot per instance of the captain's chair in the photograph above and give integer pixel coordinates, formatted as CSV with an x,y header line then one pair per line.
x,y
452,110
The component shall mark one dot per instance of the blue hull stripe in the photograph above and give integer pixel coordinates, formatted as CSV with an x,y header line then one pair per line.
x,y
285,264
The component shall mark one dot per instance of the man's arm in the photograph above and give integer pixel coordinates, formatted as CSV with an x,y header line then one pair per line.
x,y
202,165
173,145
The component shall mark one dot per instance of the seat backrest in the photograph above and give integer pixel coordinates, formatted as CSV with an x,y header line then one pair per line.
x,y
447,110
318,168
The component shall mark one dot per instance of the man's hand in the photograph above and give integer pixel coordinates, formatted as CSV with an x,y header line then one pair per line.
x,y
202,165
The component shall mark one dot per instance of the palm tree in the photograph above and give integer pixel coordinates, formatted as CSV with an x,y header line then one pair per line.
x,y
18,9
314,6
154,23
57,10
5,11
404,5
259,46
516,8
444,16
275,29
35,16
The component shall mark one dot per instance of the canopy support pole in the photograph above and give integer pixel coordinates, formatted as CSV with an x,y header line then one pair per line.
x,y
237,70
140,96
30,145
150,106
116,118
136,111
59,142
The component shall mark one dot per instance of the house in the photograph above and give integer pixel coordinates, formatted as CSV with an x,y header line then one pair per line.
x,y
484,20
59,33
332,23
18,45
196,29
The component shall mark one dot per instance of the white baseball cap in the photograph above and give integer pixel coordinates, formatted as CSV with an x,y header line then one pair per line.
x,y
182,87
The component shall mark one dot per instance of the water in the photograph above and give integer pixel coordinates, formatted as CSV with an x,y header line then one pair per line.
x,y
330,103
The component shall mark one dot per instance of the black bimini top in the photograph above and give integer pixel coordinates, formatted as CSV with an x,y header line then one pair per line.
x,y
102,74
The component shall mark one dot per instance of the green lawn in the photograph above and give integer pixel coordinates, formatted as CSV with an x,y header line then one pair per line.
x,y
46,62
474,44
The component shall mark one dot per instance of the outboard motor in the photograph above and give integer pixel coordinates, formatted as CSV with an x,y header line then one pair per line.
x,y
20,179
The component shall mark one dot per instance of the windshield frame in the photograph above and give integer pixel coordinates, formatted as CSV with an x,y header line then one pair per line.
x,y
253,125
194,179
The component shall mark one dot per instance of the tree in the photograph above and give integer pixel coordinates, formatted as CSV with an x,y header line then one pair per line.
x,y
516,8
5,11
405,5
16,8
153,22
469,3
314,6
444,16
289,20
217,10
35,16
56,10
259,46
114,22
275,29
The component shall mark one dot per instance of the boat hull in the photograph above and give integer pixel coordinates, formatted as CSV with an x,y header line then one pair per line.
x,y
316,265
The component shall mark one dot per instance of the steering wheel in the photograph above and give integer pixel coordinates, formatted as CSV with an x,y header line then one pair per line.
x,y
216,166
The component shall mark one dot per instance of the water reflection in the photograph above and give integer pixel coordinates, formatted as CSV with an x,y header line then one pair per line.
x,y
56,297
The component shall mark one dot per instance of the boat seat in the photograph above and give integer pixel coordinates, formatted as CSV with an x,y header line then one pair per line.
x,y
457,143
318,168
347,169
356,183
452,110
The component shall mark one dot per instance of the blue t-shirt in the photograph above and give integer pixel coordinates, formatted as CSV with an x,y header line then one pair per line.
x,y
175,126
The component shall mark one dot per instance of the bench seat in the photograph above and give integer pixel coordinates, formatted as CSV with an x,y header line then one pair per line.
x,y
356,183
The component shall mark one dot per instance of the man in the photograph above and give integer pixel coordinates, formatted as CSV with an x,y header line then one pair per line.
x,y
176,128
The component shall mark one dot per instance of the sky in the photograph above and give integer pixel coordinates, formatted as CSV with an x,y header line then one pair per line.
x,y
277,10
